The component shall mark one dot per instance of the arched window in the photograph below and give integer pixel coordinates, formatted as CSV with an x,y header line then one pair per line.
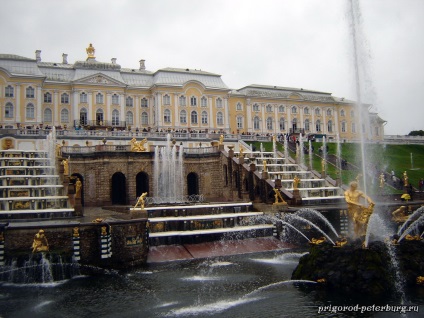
x,y
8,110
99,117
167,116
144,118
330,126
48,118
183,117
343,126
166,99
239,106
204,117
306,110
30,92
64,98
329,112
269,123
193,101
129,101
307,127
281,109
268,108
83,116
294,124
219,102
194,117
256,123
255,107
342,113
318,125
204,102
219,119
282,123
353,128
30,111
352,113
115,99
239,122
83,98
115,117
64,116
47,97
144,102
294,109
99,98
317,111
9,91
129,118
182,100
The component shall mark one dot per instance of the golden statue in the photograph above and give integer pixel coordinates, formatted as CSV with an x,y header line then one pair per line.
x,y
75,232
221,140
410,237
264,163
141,200
358,213
138,146
321,280
317,241
420,280
78,186
400,215
241,155
8,144
90,51
104,231
296,182
405,179
382,180
278,196
40,243
58,150
65,165
341,242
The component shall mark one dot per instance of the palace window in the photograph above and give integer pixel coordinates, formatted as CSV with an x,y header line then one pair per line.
x,y
115,99
167,116
166,99
377,131
8,110
269,108
353,128
317,111
239,106
282,123
48,118
129,101
9,91
306,110
182,100
269,123
343,126
239,122
47,97
129,118
281,109
183,117
115,117
219,119
144,102
30,92
30,111
307,125
64,116
64,98
294,110
255,107
318,125
329,112
144,119
219,102
204,117
203,102
83,116
193,101
342,113
194,117
99,98
352,113
83,98
256,123
330,126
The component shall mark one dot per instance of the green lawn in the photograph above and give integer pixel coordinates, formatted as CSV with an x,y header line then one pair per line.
x,y
380,157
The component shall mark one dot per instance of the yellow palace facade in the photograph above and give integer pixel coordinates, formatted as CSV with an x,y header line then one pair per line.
x,y
91,94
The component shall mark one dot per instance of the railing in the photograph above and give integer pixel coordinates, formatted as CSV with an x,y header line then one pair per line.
x,y
99,123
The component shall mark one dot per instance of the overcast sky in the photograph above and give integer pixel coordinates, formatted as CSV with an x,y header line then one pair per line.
x,y
297,43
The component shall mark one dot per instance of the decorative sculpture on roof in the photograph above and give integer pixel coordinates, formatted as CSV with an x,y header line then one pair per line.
x,y
90,51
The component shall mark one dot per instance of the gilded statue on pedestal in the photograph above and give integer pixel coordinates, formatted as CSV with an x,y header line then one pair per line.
x,y
358,213
78,186
296,182
141,200
221,140
65,167
138,146
40,243
90,51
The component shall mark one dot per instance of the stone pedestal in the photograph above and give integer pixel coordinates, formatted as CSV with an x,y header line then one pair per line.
x,y
241,160
297,199
280,207
264,175
138,214
79,210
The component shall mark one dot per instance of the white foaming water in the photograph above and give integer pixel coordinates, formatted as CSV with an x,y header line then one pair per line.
x,y
315,213
313,225
202,278
42,304
217,264
285,282
287,258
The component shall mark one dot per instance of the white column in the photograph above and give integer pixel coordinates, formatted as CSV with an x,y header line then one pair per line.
x,y
336,121
90,114
301,124
108,111
324,128
227,115
137,104
176,111
263,118
289,119
249,116
56,102
18,106
313,128
75,107
123,116
213,113
159,110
